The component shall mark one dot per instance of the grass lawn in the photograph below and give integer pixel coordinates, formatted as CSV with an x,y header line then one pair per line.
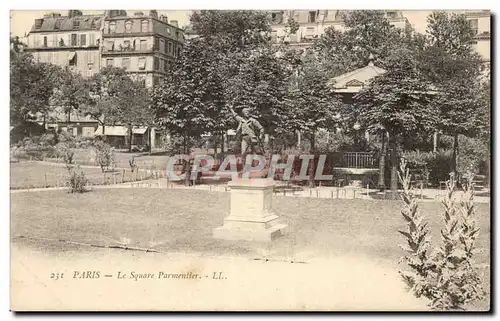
x,y
34,174
182,221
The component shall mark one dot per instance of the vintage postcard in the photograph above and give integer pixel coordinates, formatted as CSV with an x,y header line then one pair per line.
x,y
250,160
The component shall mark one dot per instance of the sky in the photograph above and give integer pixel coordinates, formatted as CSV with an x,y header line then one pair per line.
x,y
22,20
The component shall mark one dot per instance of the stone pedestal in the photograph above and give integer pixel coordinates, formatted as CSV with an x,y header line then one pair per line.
x,y
251,216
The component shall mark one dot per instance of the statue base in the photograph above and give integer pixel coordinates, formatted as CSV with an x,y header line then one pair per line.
x,y
251,217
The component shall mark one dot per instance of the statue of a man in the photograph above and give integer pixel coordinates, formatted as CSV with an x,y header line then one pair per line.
x,y
252,131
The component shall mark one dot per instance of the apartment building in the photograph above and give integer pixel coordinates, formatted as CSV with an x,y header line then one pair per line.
x,y
313,23
481,24
71,40
144,44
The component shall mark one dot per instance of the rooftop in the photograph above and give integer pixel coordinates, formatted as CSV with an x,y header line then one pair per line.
x,y
354,81
65,23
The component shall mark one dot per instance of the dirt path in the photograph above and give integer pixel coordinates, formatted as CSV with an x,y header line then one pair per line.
x,y
342,283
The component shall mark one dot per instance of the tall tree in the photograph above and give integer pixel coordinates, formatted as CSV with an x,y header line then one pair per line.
x,y
231,29
313,105
32,86
72,92
188,101
367,32
116,98
484,130
399,101
196,85
454,70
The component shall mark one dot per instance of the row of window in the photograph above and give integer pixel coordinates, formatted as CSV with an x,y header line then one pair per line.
x,y
142,45
110,27
313,16
73,40
141,63
474,23
170,47
127,45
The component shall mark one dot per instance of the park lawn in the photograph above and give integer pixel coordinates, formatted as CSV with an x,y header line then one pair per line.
x,y
36,174
181,221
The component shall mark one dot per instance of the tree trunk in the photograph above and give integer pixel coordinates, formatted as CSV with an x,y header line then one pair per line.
x,y
151,139
298,139
311,172
222,143
435,141
68,125
313,142
381,164
312,167
215,145
103,131
130,136
394,167
455,156
187,178
184,143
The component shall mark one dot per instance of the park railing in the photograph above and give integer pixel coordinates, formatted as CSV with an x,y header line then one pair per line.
x,y
356,160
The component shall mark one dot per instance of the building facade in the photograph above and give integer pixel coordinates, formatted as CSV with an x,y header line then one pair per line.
x,y
71,40
481,24
313,23
144,45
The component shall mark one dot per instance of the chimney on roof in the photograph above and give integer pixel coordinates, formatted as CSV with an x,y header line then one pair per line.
x,y
38,23
73,13
117,13
52,15
174,23
164,18
153,14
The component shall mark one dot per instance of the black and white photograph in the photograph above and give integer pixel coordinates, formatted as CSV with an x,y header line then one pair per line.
x,y
250,160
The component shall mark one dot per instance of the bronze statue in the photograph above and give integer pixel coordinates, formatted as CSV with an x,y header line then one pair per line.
x,y
252,131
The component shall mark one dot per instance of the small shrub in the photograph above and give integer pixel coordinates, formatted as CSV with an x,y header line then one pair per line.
x,y
418,256
66,137
419,161
473,153
77,180
82,142
64,151
105,155
17,153
133,165
152,171
47,139
333,142
457,279
445,275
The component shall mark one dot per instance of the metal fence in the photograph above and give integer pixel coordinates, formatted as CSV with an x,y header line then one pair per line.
x,y
358,160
